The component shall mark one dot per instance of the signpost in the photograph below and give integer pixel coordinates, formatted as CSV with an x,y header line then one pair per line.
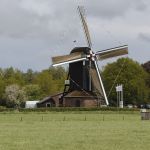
x,y
119,90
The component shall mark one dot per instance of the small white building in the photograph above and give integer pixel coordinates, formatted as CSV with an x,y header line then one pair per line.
x,y
31,104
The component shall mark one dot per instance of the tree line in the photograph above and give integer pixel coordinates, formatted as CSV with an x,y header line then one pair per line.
x,y
16,86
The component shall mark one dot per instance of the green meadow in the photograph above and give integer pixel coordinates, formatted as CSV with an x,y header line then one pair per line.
x,y
74,131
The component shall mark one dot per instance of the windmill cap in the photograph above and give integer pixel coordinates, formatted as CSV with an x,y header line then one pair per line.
x,y
85,50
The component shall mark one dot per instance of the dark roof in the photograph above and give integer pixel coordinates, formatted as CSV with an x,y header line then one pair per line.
x,y
84,50
44,100
49,97
77,93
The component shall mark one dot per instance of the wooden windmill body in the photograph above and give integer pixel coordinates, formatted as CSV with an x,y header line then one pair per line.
x,y
85,88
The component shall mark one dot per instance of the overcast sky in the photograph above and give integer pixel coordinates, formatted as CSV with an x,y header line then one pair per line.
x,y
32,31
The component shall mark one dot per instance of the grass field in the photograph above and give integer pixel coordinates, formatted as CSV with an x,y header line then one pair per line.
x,y
73,131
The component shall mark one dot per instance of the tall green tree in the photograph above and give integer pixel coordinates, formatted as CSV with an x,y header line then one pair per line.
x,y
33,92
12,76
2,91
146,67
59,75
29,76
45,81
129,73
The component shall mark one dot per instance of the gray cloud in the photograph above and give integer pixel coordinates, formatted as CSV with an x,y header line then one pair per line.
x,y
34,30
114,8
49,18
35,19
144,36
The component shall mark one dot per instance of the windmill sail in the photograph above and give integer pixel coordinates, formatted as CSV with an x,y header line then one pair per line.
x,y
85,26
87,35
97,82
73,57
112,52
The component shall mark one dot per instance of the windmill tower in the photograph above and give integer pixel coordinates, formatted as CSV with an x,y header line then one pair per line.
x,y
86,87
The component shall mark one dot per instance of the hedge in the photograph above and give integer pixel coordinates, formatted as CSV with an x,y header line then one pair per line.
x,y
67,109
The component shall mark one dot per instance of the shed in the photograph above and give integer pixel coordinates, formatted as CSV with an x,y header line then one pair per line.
x,y
31,104
51,101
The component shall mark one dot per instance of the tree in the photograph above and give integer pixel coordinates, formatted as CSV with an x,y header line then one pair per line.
x,y
45,81
146,67
51,81
33,92
59,75
133,78
30,76
2,90
15,96
13,76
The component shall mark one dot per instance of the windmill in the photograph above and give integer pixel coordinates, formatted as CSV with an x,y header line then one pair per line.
x,y
84,75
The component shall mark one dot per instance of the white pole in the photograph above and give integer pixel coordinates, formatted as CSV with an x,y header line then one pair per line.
x,y
119,98
122,97
117,94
